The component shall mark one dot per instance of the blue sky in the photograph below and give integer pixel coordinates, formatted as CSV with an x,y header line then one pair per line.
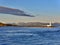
x,y
44,10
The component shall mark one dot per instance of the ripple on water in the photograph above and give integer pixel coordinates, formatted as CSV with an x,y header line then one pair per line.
x,y
29,36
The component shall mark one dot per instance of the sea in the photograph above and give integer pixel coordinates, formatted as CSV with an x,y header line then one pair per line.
x,y
29,36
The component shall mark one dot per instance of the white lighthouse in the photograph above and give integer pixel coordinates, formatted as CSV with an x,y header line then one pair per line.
x,y
49,25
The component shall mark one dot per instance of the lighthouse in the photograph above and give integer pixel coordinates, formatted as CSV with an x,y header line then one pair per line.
x,y
49,25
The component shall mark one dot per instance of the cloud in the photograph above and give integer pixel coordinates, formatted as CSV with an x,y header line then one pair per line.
x,y
17,12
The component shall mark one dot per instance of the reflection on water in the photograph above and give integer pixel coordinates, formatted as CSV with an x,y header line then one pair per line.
x,y
29,36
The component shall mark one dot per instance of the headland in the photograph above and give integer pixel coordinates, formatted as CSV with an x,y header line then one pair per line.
x,y
31,24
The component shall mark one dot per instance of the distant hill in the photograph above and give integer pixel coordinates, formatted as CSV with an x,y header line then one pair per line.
x,y
6,10
30,24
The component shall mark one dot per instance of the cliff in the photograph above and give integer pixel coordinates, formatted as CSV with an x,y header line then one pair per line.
x,y
2,24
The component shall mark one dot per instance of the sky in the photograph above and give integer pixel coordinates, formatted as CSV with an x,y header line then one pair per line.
x,y
43,10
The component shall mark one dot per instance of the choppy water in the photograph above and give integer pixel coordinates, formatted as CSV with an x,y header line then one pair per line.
x,y
29,36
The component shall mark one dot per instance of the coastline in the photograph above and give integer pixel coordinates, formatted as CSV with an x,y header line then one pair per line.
x,y
34,24
28,26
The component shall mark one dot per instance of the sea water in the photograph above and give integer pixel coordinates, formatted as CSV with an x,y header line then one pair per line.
x,y
29,36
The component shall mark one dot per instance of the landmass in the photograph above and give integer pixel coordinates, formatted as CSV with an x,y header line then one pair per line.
x,y
30,24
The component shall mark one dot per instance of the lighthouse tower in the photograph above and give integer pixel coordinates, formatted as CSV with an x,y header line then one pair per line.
x,y
49,25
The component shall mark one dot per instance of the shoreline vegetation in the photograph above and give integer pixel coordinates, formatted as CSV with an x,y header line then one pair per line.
x,y
31,24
